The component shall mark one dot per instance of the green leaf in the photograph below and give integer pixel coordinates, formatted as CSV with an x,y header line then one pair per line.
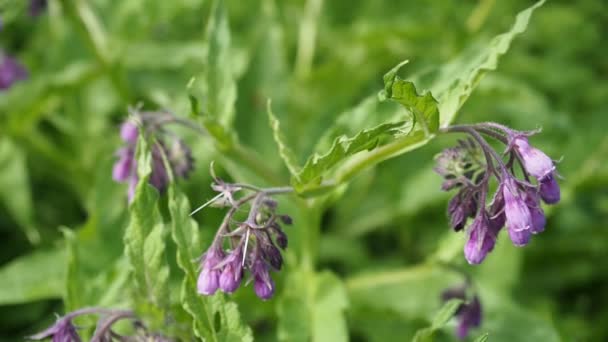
x,y
221,85
15,192
458,79
482,338
145,242
423,107
312,308
285,151
447,311
312,172
202,309
36,276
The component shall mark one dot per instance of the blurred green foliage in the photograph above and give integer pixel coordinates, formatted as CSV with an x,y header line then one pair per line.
x,y
376,268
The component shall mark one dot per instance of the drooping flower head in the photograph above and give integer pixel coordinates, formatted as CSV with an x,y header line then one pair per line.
x,y
470,167
469,314
62,331
256,243
178,157
11,71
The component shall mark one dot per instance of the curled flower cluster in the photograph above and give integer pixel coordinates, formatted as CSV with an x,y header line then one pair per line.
x,y
516,203
254,244
469,313
178,154
64,330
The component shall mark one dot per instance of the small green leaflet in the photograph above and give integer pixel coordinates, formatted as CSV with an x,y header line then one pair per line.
x,y
288,156
482,338
145,243
202,309
442,317
423,107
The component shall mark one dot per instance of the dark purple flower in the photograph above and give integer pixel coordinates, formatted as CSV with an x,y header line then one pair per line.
x,y
496,213
461,207
62,331
36,7
536,163
482,238
11,71
536,212
159,177
469,313
263,284
209,279
231,276
517,213
549,189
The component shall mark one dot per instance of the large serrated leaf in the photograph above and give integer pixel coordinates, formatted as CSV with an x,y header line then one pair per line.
x,y
288,156
202,309
458,79
145,244
312,308
221,85
312,172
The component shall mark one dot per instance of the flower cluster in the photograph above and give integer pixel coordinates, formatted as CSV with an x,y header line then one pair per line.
x,y
469,313
254,244
516,203
11,71
178,155
64,330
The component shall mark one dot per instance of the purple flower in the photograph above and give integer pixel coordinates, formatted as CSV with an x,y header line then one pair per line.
x,y
209,279
461,207
36,7
517,213
536,163
469,314
124,167
129,132
549,189
482,238
62,331
536,212
159,177
231,276
262,282
11,71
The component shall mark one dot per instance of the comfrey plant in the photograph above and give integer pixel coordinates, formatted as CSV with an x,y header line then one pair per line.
x,y
176,155
253,244
65,331
471,165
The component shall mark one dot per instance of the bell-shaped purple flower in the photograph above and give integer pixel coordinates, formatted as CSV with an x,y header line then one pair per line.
x,y
11,71
517,213
124,167
232,274
461,207
263,284
549,189
535,161
129,132
62,331
482,238
536,212
209,278
159,177
496,213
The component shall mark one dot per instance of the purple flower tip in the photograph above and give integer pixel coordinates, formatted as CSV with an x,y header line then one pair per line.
x,y
231,276
129,132
549,189
11,71
536,163
469,314
517,213
124,166
263,284
208,280
482,239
